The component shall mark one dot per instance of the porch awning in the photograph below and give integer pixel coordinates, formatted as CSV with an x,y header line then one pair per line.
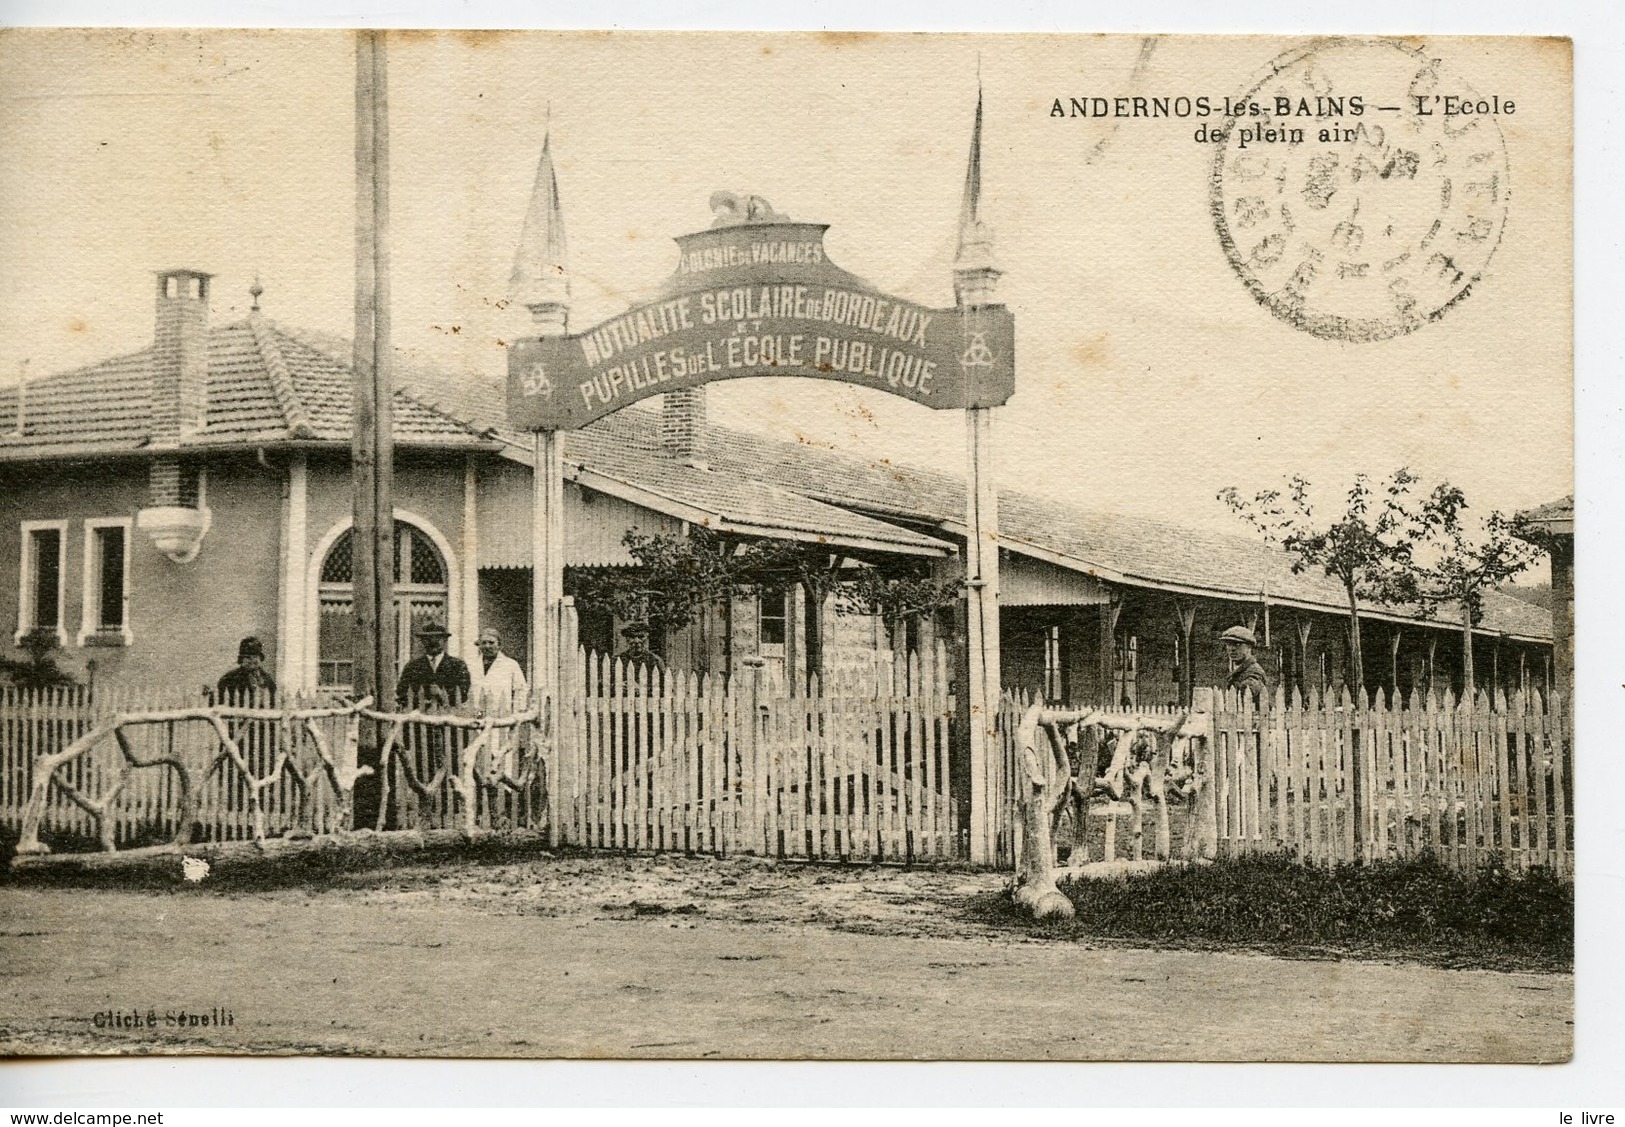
x,y
600,508
1028,582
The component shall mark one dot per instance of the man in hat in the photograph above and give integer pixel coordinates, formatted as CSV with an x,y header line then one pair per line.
x,y
434,679
249,683
1246,675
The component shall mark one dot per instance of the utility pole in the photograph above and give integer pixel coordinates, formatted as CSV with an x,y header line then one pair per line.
x,y
372,442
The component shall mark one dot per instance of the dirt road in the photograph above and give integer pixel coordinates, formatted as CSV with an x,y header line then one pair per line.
x,y
658,958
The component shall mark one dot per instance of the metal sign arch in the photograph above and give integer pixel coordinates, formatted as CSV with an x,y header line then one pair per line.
x,y
760,300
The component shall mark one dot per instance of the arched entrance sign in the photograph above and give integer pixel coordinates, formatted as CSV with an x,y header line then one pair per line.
x,y
757,295
763,299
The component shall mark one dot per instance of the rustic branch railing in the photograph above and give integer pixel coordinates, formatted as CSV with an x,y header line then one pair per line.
x,y
478,763
341,773
1055,780
292,744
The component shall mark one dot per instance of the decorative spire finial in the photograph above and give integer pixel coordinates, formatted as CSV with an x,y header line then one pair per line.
x,y
975,273
541,274
254,292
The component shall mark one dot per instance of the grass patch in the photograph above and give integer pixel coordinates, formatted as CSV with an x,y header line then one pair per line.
x,y
1414,909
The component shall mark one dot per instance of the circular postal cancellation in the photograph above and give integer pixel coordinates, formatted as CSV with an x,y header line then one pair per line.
x,y
1360,187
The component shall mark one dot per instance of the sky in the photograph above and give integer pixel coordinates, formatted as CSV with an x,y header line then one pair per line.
x,y
1148,377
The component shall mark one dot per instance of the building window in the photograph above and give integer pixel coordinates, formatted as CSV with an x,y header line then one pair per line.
x,y
40,579
107,582
1054,690
422,595
773,622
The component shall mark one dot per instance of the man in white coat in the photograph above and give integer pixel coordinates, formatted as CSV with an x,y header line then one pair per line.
x,y
499,689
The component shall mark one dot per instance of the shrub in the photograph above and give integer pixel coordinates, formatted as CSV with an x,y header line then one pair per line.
x,y
1413,908
39,669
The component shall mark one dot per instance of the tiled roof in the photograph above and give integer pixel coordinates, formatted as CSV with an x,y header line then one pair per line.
x,y
264,385
1557,516
476,401
738,501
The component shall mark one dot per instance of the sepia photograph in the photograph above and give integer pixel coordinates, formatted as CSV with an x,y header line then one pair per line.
x,y
787,546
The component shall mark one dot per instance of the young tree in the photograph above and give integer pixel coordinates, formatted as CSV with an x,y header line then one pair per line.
x,y
1459,559
1366,546
889,588
896,591
676,576
673,577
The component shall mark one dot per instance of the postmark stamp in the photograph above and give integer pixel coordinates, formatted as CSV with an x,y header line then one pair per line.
x,y
1361,187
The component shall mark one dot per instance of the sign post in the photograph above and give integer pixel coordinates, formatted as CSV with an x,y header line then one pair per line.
x,y
982,626
547,571
541,283
975,280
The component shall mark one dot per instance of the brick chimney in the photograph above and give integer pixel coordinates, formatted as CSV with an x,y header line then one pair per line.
x,y
180,361
682,424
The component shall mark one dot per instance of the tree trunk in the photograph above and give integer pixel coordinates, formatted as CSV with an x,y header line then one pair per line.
x,y
1467,681
1393,664
1045,783
815,628
1356,661
1305,629
728,635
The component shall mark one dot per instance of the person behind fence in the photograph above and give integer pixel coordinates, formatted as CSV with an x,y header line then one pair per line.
x,y
249,683
500,688
434,680
1246,674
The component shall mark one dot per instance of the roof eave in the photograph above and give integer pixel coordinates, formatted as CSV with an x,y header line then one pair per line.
x,y
76,452
721,522
1129,579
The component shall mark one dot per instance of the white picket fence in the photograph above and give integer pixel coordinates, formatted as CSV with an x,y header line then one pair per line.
x,y
1341,779
641,759
855,770
860,769
1335,779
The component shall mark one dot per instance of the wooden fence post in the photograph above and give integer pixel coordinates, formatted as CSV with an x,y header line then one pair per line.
x,y
555,718
1362,774
1204,703
752,802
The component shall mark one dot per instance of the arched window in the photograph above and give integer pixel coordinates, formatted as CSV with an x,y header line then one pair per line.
x,y
421,595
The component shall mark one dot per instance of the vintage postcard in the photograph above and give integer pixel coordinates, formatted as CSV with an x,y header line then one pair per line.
x,y
787,546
